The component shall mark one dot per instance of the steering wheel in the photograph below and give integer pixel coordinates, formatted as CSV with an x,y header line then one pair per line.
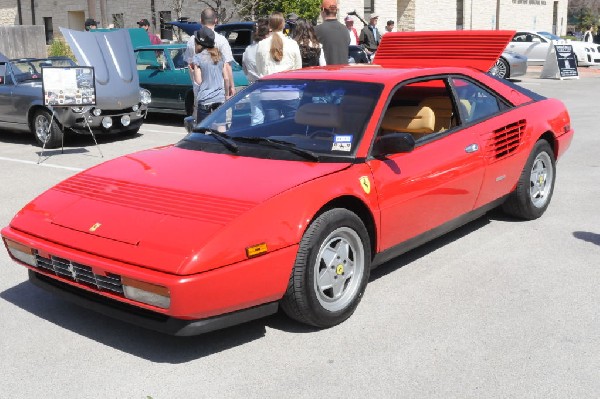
x,y
321,134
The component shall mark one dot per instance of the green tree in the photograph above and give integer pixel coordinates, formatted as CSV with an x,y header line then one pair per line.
x,y
252,9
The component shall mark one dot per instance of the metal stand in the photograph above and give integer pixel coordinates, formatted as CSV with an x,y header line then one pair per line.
x,y
47,136
62,150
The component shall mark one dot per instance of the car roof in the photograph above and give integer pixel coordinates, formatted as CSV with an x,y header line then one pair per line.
x,y
235,25
369,73
162,46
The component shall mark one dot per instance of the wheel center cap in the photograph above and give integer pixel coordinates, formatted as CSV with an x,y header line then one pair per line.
x,y
340,269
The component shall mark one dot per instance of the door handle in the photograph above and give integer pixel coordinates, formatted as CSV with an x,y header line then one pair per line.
x,y
471,148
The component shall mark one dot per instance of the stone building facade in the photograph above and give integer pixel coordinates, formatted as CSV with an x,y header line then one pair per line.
x,y
409,15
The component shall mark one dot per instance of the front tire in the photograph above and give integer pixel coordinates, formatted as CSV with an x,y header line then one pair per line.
x,y
331,270
501,69
44,132
536,185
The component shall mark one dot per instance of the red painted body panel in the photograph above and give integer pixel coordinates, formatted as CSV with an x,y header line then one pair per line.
x,y
478,49
426,187
183,219
245,284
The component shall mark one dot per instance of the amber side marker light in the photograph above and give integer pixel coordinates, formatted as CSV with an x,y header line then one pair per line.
x,y
256,250
151,294
21,252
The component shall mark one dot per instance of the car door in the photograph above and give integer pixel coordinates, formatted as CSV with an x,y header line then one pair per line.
x,y
440,179
531,45
8,111
153,70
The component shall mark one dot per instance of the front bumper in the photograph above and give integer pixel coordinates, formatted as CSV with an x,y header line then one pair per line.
x,y
79,122
198,303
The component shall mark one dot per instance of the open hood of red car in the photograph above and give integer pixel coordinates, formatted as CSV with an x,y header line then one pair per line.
x,y
157,208
478,49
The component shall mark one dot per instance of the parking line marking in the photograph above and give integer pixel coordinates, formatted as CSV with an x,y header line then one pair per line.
x,y
47,165
163,131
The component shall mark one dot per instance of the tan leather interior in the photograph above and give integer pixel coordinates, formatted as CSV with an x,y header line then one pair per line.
x,y
319,115
442,108
418,120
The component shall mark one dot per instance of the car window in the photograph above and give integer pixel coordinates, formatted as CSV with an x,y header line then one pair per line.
x,y
2,73
324,117
150,59
178,57
238,37
424,109
476,102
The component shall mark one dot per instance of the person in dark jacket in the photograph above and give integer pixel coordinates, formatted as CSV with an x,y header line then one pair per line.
x,y
369,35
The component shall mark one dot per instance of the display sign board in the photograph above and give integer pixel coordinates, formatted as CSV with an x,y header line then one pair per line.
x,y
68,86
560,63
567,61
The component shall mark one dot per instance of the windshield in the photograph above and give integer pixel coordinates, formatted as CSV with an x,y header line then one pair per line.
x,y
31,69
550,36
324,118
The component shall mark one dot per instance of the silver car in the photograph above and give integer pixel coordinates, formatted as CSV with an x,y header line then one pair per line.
x,y
121,105
509,65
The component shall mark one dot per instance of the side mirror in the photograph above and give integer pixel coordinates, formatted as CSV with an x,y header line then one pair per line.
x,y
393,143
536,40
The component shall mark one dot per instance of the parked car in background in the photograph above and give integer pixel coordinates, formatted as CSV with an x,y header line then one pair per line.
x,y
535,45
333,172
22,105
509,65
163,70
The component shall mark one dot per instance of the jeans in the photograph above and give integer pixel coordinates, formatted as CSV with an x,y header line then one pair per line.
x,y
277,109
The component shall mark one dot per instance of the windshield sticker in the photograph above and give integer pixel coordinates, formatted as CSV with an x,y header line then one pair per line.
x,y
342,142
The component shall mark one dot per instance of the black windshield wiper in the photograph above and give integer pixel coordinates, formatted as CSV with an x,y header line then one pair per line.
x,y
221,137
281,144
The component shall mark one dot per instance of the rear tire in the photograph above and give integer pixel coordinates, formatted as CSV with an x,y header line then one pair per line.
x,y
536,185
331,270
43,132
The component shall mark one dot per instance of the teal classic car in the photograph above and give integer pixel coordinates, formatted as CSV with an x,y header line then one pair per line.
x,y
163,70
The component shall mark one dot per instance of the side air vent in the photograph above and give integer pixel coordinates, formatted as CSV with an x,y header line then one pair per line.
x,y
504,141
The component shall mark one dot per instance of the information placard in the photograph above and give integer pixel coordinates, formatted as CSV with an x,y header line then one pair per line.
x,y
68,86
567,61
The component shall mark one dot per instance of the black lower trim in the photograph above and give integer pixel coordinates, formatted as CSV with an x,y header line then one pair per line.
x,y
146,318
432,234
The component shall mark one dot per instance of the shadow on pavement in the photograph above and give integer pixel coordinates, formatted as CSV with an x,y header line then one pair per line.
x,y
587,236
146,344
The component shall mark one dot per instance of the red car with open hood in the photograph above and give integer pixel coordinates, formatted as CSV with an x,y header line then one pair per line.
x,y
294,189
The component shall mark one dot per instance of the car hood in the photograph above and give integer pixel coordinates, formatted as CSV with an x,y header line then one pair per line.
x,y
111,55
478,49
159,208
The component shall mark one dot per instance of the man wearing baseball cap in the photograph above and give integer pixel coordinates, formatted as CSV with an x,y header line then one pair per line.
x,y
90,24
144,24
333,35
351,30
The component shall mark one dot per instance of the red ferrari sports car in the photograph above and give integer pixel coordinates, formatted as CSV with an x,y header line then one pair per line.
x,y
294,189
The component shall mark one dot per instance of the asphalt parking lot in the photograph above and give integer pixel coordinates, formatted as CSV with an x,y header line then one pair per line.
x,y
498,308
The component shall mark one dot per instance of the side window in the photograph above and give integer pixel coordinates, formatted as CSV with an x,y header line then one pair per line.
x,y
150,59
422,109
476,102
2,73
520,37
178,57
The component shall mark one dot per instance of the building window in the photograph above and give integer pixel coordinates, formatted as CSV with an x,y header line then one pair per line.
x,y
49,30
369,6
166,31
117,20
460,12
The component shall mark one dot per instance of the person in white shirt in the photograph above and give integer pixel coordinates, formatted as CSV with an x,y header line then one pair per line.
x,y
208,18
278,53
588,36
261,32
351,30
